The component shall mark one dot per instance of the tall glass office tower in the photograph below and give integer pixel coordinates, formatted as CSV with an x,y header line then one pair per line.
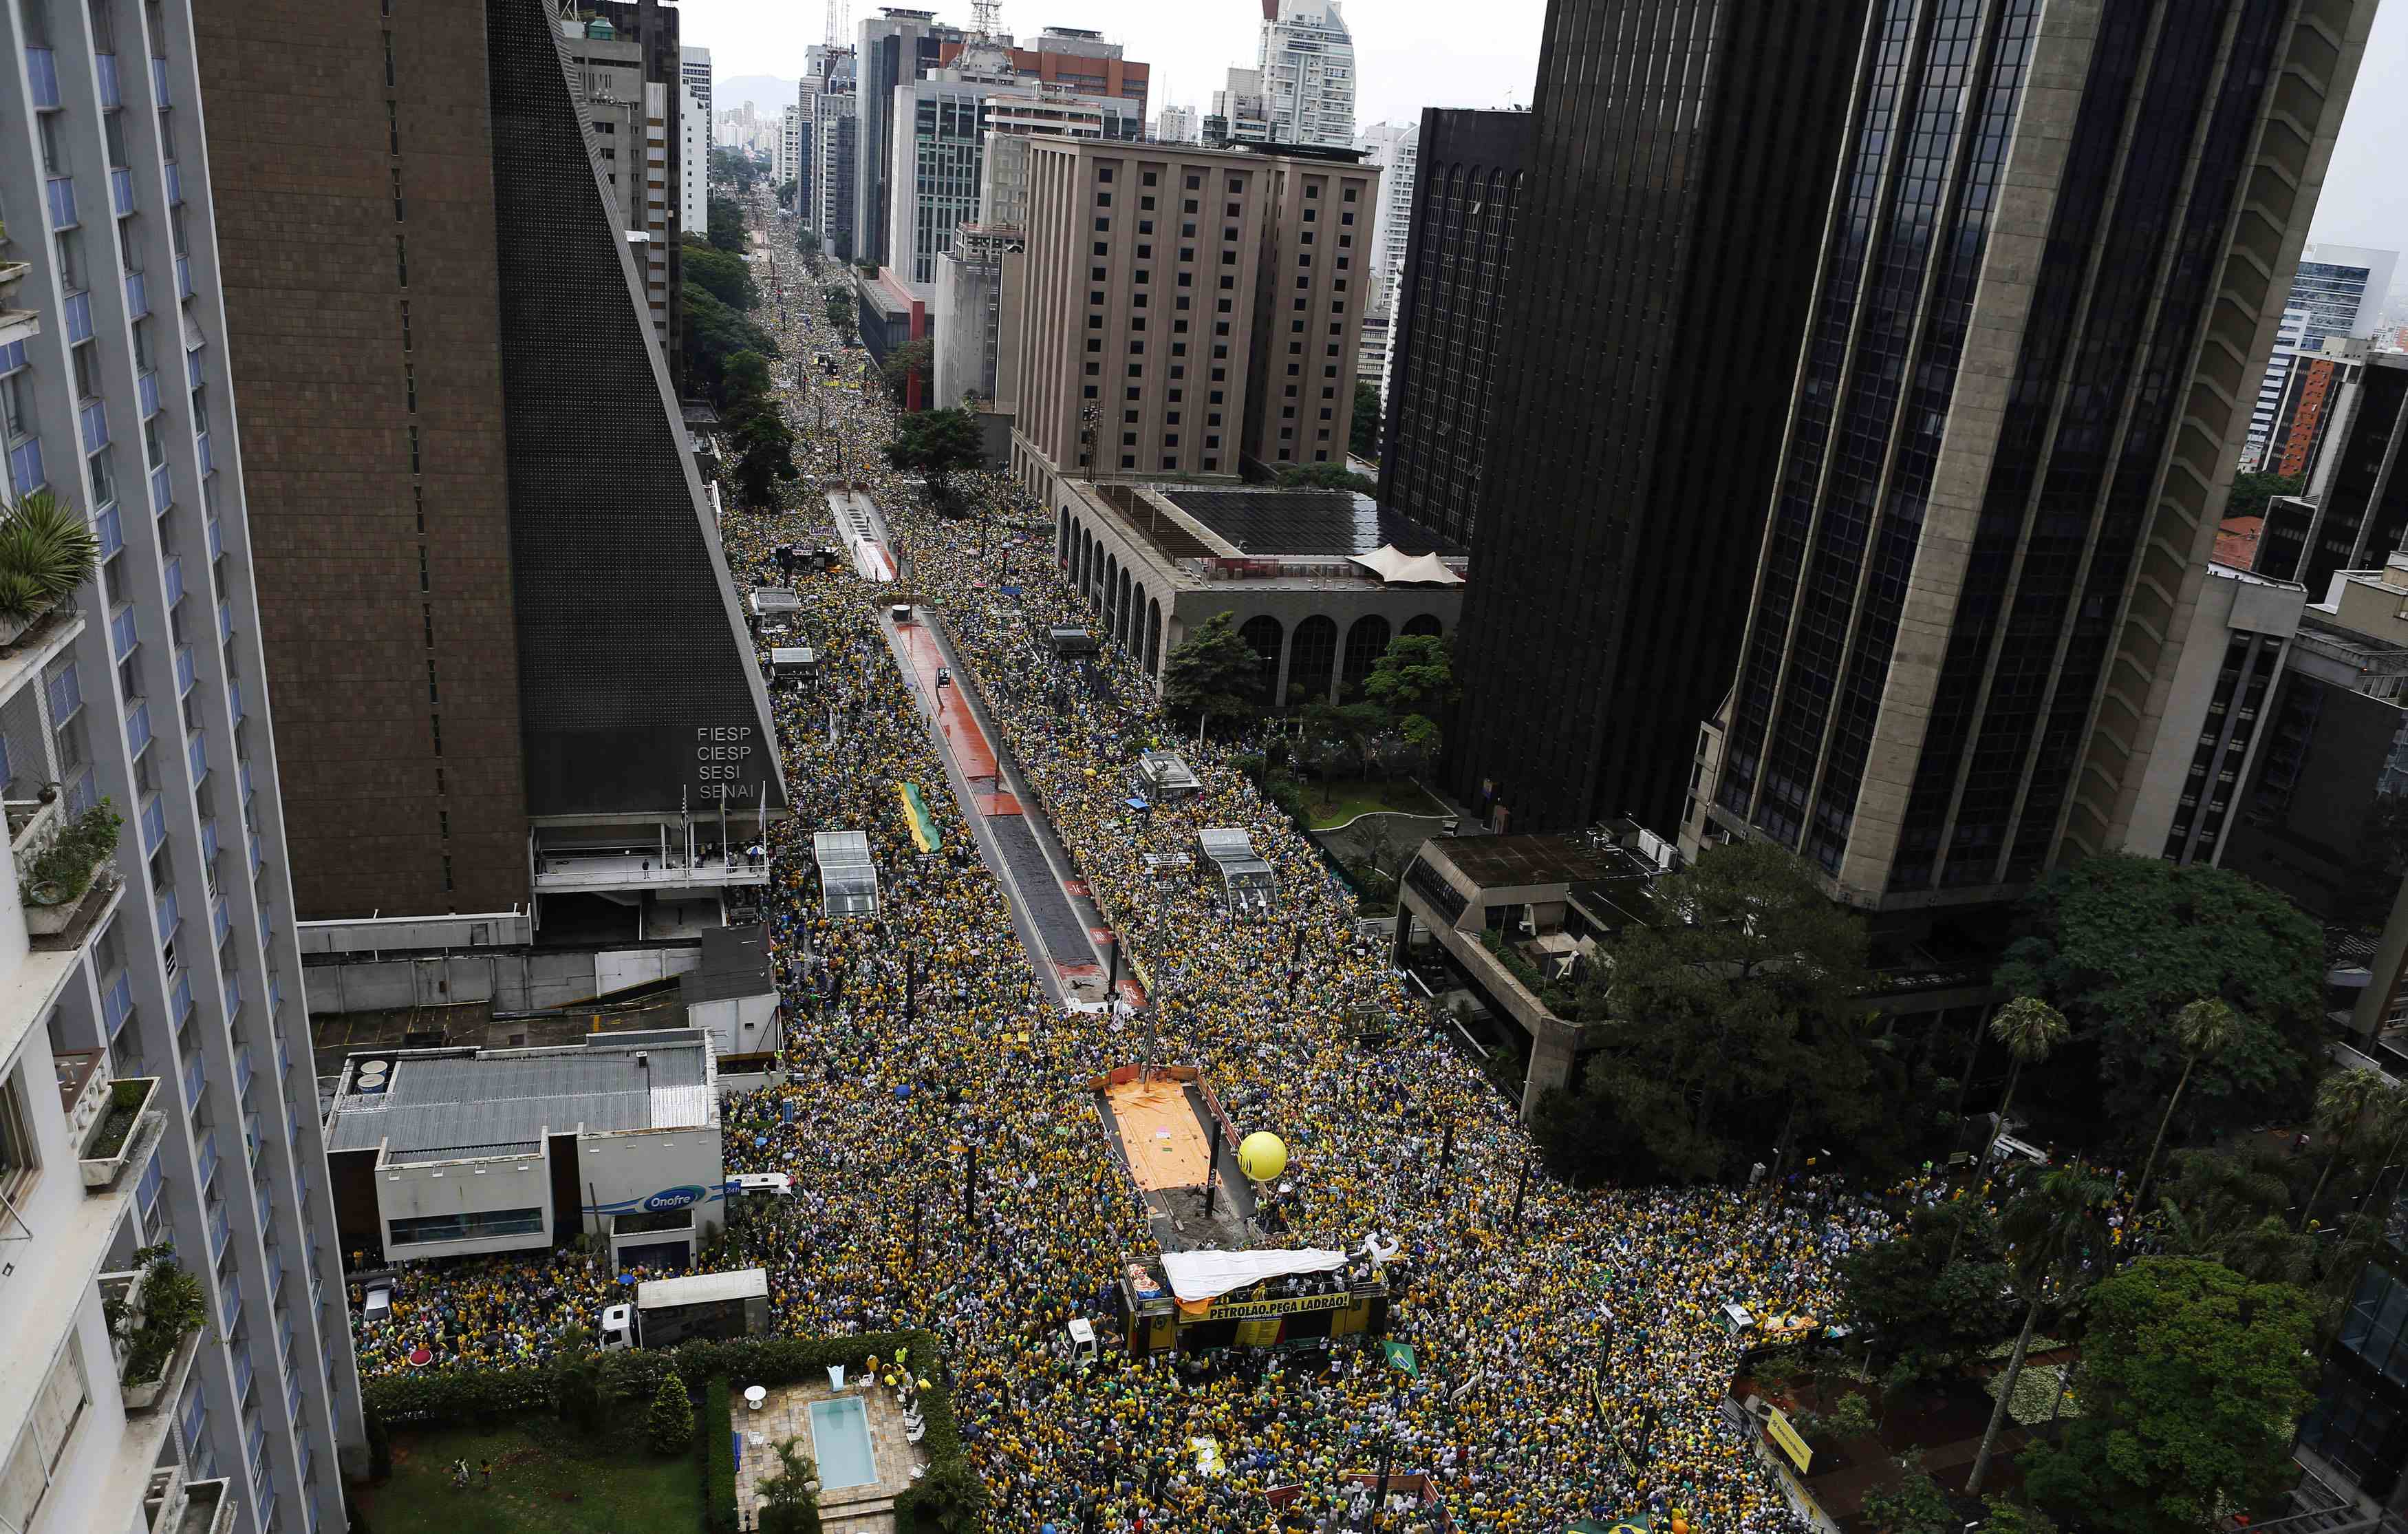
x,y
158,979
2051,279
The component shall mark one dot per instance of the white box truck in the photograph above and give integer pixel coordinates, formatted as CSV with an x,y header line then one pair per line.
x,y
667,1311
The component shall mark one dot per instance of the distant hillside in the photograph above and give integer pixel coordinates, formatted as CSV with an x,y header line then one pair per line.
x,y
767,92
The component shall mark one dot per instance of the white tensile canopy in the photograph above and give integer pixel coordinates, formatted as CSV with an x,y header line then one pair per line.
x,y
1395,567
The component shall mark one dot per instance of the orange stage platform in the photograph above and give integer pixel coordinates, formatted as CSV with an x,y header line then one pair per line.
x,y
1166,1148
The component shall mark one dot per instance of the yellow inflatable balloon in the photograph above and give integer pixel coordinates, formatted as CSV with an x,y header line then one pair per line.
x,y
1262,1156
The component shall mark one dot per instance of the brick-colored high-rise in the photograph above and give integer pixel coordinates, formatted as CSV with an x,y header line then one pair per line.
x,y
1202,305
352,157
496,620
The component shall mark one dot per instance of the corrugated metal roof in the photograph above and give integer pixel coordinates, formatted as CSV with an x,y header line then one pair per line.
x,y
502,1104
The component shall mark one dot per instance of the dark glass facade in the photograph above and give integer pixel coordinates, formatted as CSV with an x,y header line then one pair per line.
x,y
2363,513
1450,316
2137,233
1677,187
2360,1420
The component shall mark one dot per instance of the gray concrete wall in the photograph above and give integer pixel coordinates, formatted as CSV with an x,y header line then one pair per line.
x,y
521,981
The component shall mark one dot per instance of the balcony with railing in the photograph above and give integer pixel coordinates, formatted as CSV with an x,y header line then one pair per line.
x,y
60,192
120,194
184,672
217,1229
220,922
111,94
264,1203
178,1506
137,297
116,1002
243,1072
233,995
175,185
137,729
124,633
196,756
146,389
202,450
162,491
173,574
233,1306
258,854
251,1143
233,700
225,621
183,278
153,823
179,996
209,841
196,1076
217,540
275,1272
242,1371
205,1159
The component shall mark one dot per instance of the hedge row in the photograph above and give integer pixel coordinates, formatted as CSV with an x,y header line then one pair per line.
x,y
480,1396
718,1459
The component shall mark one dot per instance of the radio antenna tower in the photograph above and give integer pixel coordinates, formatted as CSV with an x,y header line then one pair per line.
x,y
839,21
982,16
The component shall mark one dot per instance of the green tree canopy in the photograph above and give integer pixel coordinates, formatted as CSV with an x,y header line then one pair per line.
x,y
1412,684
938,444
2192,1382
1931,1315
906,362
714,334
841,313
734,164
1212,673
726,278
1325,476
1735,1018
2121,945
670,1425
727,225
1363,438
2251,492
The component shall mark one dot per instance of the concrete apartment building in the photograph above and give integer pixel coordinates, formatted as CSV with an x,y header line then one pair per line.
x,y
627,70
162,978
834,127
694,140
1306,58
1395,149
1176,126
1966,652
1180,308
498,612
1241,112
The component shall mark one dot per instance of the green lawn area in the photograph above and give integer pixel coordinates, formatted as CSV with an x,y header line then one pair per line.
x,y
1334,801
542,1484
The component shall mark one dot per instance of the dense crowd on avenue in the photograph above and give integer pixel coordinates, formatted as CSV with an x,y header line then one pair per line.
x,y
1544,1322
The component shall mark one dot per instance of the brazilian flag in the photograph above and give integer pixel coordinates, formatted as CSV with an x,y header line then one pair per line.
x,y
923,826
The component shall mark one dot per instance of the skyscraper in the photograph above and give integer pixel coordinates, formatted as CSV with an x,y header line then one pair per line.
x,y
896,47
1449,332
1395,148
1306,57
1663,250
2015,416
693,138
472,454
137,714
2338,291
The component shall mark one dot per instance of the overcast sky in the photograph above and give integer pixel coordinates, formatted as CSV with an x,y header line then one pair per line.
x,y
1416,54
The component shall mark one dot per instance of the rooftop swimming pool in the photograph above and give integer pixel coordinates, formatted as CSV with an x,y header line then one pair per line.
x,y
840,1442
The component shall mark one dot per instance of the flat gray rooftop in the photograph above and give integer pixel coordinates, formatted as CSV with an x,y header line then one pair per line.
x,y
443,1106
1303,524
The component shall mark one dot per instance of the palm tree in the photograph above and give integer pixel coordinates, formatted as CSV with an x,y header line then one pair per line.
x,y
2045,1230
2343,1099
2203,1028
2030,1028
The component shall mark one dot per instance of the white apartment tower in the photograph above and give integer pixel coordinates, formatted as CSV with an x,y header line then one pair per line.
x,y
693,138
787,157
155,1076
1176,126
1395,149
1306,57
